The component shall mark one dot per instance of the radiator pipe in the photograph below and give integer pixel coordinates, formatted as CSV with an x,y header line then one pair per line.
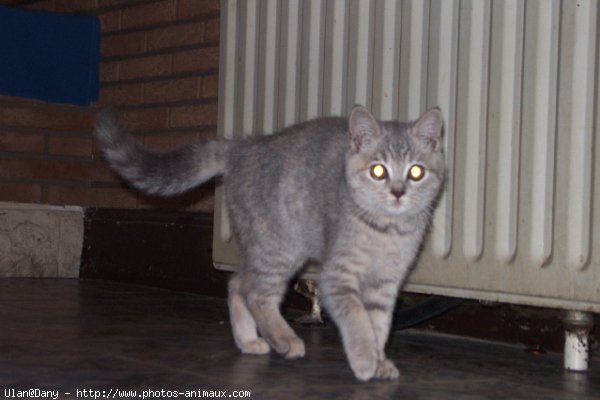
x,y
425,310
578,325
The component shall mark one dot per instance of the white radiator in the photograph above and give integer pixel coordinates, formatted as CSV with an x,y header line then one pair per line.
x,y
517,82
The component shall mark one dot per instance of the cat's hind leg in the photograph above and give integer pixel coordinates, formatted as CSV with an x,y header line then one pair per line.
x,y
263,297
242,322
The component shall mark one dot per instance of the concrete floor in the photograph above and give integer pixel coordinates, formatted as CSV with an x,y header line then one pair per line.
x,y
92,338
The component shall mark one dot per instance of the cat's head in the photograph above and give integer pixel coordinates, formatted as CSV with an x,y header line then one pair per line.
x,y
394,168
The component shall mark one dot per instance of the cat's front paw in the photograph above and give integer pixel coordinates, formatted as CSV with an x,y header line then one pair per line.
x,y
256,346
289,346
364,365
296,349
386,370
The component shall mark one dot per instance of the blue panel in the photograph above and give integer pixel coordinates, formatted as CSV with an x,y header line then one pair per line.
x,y
49,56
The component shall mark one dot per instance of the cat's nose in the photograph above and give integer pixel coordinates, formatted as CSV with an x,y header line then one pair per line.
x,y
398,192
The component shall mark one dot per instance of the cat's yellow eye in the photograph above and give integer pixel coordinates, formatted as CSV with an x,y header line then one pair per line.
x,y
378,172
416,172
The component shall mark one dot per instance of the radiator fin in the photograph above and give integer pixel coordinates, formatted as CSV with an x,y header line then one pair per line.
x,y
579,186
477,18
543,72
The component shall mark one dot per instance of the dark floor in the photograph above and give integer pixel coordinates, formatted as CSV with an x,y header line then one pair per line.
x,y
69,335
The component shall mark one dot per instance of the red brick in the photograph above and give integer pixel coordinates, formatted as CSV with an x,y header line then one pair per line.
x,y
194,116
145,119
197,199
123,94
44,169
197,8
70,120
210,86
22,142
90,197
172,90
170,141
123,44
110,21
148,14
196,60
211,33
69,145
101,172
70,170
174,36
113,198
20,192
65,195
44,5
109,71
112,3
14,100
69,6
158,65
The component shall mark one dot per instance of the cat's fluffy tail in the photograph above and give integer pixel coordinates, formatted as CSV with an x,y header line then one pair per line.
x,y
158,173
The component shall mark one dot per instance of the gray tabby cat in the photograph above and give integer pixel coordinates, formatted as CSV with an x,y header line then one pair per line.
x,y
354,195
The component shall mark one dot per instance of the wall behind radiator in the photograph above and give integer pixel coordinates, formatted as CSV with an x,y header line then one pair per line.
x,y
159,66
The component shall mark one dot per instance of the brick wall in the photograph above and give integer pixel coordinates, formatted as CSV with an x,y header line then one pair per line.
x,y
159,66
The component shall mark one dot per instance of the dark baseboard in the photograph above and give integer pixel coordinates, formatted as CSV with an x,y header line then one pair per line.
x,y
173,250
167,249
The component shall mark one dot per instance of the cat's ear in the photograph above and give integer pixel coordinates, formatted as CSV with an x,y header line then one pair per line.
x,y
364,129
428,128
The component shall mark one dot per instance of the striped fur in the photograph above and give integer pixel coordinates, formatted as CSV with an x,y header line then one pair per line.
x,y
307,194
